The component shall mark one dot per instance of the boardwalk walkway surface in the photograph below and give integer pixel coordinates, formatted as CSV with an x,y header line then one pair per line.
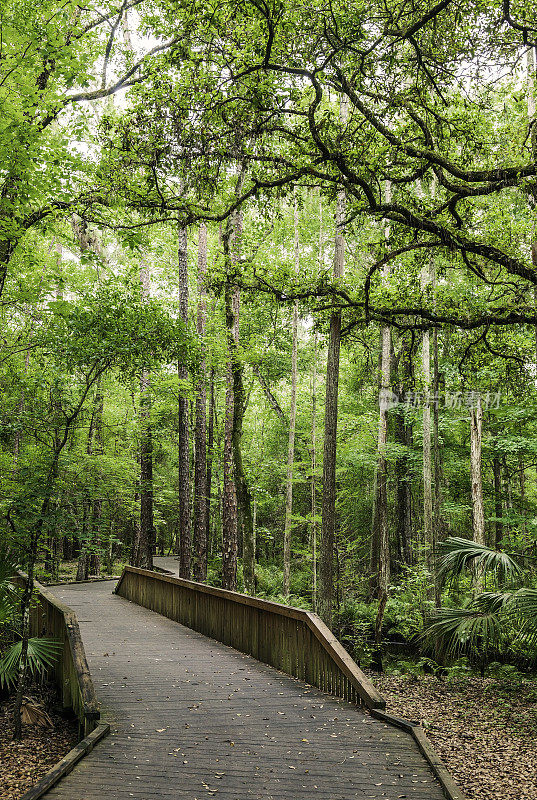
x,y
194,719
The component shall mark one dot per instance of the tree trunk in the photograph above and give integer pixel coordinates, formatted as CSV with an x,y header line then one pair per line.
x,y
313,449
403,435
200,465
242,490
288,524
328,513
428,530
82,571
94,565
135,546
380,547
53,550
380,551
507,494
522,485
229,494
498,525
313,487
147,528
210,445
439,523
185,522
478,511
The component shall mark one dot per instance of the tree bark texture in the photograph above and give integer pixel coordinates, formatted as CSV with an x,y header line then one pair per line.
x,y
478,511
498,525
380,546
403,435
147,528
200,463
229,494
288,522
185,522
328,514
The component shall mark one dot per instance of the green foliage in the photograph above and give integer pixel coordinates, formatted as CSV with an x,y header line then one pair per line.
x,y
236,104
490,621
8,593
42,654
458,555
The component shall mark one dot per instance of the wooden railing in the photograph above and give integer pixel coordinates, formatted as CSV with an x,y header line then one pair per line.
x,y
292,640
49,617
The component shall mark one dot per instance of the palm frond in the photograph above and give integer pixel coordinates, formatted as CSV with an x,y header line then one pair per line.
x,y
477,624
456,555
42,653
522,612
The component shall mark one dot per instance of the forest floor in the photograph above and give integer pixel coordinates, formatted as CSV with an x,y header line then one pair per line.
x,y
485,730
23,763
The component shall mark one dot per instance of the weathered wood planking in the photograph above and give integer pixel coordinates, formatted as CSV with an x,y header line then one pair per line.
x,y
292,640
192,718
49,617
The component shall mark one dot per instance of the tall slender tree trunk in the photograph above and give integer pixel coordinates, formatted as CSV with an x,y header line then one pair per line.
x,y
439,523
428,528
210,446
522,485
313,486
82,572
380,542
328,513
403,435
507,494
52,559
200,465
244,498
478,510
229,493
531,66
498,525
380,550
135,546
94,564
82,569
147,527
242,490
185,522
288,524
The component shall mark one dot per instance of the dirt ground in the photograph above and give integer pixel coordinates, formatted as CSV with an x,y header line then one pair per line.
x,y
23,763
485,730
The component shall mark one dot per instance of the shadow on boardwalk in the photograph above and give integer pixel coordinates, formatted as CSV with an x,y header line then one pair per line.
x,y
192,718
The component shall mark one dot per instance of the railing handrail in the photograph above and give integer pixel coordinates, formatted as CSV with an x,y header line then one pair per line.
x,y
90,704
364,687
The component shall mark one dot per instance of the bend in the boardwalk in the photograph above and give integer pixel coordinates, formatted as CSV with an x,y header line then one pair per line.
x,y
193,719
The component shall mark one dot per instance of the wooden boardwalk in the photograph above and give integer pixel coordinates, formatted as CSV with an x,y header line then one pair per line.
x,y
194,719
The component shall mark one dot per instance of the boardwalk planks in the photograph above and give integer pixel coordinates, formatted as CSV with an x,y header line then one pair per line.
x,y
292,640
194,719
